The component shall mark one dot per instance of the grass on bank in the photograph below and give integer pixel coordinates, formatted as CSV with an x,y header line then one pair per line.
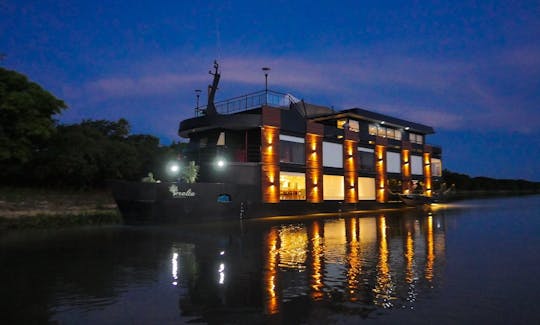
x,y
39,208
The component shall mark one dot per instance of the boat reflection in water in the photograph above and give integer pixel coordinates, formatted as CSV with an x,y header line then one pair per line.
x,y
368,261
356,265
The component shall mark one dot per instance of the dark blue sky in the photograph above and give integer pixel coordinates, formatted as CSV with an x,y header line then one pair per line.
x,y
470,69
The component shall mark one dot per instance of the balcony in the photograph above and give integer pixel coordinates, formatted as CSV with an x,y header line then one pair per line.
x,y
250,101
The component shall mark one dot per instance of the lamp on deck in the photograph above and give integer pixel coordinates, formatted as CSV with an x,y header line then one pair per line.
x,y
265,70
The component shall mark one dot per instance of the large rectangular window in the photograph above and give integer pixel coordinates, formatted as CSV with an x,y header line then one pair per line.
x,y
333,187
292,186
385,132
436,167
350,124
366,188
416,165
292,149
393,160
366,159
332,155
416,138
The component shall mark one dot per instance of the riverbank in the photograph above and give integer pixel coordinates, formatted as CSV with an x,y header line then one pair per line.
x,y
42,208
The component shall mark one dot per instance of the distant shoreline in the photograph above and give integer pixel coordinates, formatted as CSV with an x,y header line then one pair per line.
x,y
478,194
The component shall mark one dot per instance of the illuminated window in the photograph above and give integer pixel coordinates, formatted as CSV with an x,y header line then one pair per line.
x,y
385,132
292,186
416,138
372,129
333,187
354,126
397,134
366,188
351,124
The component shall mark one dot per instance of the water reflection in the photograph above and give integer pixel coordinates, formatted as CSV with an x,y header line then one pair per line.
x,y
372,261
257,271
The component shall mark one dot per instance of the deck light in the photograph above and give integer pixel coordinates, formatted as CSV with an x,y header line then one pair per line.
x,y
173,168
220,162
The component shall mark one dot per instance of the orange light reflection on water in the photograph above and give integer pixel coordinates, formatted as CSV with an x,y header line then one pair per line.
x,y
270,276
316,258
430,254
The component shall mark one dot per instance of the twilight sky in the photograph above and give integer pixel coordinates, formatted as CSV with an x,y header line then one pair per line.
x,y
470,69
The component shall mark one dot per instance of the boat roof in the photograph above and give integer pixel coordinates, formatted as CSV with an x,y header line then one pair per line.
x,y
251,102
382,119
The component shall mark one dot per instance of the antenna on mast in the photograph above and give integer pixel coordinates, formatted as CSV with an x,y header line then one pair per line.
x,y
211,108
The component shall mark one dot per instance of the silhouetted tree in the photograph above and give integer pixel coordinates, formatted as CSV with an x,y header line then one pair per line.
x,y
26,117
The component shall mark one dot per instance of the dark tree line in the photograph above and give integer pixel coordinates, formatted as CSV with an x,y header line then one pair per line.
x,y
89,153
466,183
37,151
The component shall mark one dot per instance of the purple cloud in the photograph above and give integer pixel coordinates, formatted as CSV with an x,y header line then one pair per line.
x,y
453,94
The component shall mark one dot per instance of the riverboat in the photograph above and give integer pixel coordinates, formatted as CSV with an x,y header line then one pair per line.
x,y
268,154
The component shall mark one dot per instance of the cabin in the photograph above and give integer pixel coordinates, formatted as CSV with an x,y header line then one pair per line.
x,y
291,150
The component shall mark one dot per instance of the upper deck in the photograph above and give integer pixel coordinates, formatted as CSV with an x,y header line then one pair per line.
x,y
250,101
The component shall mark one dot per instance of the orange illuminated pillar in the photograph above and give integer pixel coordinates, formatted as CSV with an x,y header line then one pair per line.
x,y
380,169
427,173
406,167
271,118
350,157
314,170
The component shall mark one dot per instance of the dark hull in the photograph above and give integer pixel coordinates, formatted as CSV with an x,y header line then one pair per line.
x,y
158,203
415,199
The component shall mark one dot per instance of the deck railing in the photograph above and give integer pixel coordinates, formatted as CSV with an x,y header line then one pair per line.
x,y
250,101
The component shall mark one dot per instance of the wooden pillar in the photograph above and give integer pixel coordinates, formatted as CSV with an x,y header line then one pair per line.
x,y
406,176
314,168
380,169
350,158
271,122
426,161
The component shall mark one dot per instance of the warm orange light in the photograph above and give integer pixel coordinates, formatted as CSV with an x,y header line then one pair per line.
x,y
430,258
270,164
354,256
427,173
317,251
384,284
381,172
272,300
313,167
409,257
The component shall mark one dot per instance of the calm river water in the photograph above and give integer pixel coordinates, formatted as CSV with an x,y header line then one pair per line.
x,y
473,262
